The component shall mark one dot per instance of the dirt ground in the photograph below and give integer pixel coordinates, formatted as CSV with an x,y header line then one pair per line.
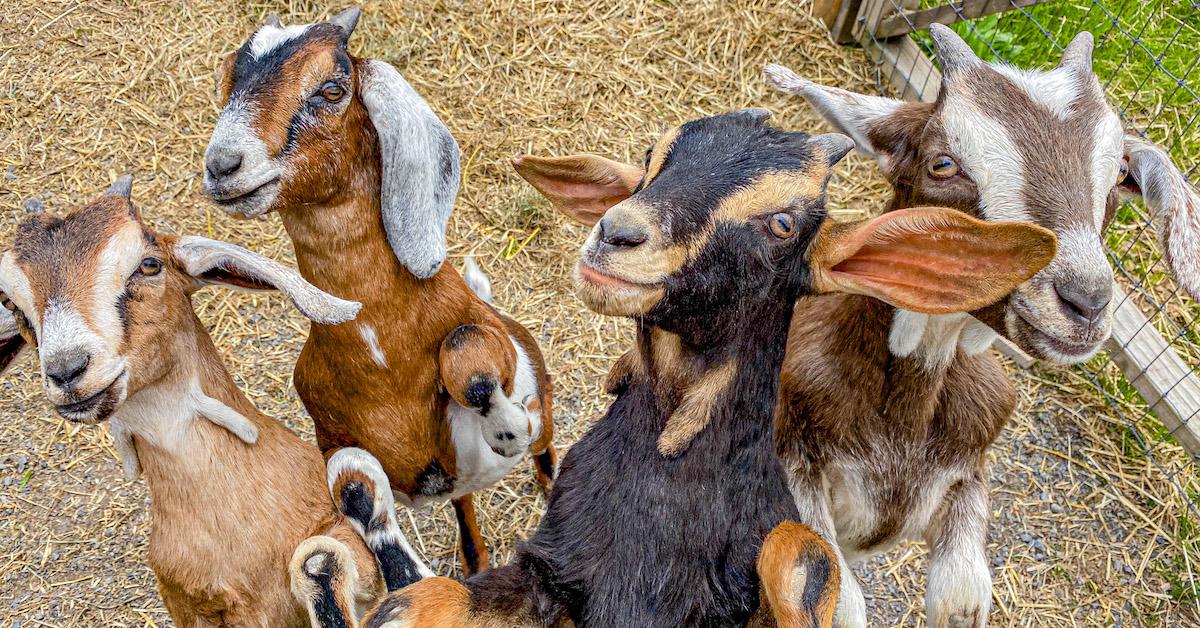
x,y
1085,531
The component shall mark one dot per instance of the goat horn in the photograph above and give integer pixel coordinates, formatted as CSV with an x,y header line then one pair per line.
x,y
347,20
123,186
953,51
1078,53
273,20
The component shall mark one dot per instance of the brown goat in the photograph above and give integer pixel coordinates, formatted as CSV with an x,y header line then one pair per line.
x,y
674,510
106,303
447,392
886,415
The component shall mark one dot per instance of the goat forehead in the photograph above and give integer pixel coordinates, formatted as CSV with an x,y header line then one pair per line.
x,y
65,258
1029,141
273,54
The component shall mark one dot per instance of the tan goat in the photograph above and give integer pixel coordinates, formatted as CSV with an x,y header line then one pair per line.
x,y
106,302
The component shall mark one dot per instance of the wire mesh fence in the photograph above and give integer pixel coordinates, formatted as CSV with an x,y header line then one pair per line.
x,y
1146,55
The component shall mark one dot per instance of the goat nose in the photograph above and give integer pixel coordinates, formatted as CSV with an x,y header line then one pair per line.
x,y
1086,305
620,235
222,162
65,370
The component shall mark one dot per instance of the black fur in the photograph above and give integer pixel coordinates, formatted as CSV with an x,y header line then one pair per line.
x,y
631,537
470,552
396,565
357,503
328,614
434,480
479,393
545,463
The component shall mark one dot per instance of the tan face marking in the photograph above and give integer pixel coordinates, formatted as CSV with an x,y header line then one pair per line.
x,y
658,154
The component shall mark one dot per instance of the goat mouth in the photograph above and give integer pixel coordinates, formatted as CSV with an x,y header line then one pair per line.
x,y
1055,347
231,200
601,279
93,409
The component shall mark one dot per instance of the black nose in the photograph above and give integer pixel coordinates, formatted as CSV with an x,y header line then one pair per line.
x,y
1085,305
65,370
620,235
222,162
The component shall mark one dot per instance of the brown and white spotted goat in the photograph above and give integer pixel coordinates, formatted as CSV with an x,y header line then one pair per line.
x,y
886,414
106,302
444,390
674,509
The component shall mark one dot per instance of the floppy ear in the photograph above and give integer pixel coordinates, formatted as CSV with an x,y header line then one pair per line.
x,y
850,113
581,186
1174,208
420,168
210,262
929,260
12,344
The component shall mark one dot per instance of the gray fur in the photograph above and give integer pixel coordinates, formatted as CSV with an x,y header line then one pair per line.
x,y
33,206
953,53
1174,207
1078,53
123,186
845,110
420,169
273,20
347,20
200,255
476,280
834,146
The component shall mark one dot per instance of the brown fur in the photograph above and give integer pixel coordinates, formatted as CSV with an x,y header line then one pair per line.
x,y
794,562
397,412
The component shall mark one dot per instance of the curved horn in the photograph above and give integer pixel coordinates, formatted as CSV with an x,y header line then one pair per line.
x,y
420,169
1078,53
953,52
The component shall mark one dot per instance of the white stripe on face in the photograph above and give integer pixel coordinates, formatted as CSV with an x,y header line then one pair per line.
x,y
15,284
1108,148
988,156
1056,90
270,37
117,261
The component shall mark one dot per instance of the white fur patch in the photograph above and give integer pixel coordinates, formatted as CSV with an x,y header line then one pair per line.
x,y
988,156
234,133
1108,149
162,416
271,37
476,280
935,339
15,284
372,340
477,465
118,260
1056,89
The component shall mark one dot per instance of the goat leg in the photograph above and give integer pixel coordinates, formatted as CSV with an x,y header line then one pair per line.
x,y
959,593
814,512
362,493
800,576
472,548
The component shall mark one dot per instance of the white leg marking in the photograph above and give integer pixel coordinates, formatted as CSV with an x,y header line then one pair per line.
x,y
959,594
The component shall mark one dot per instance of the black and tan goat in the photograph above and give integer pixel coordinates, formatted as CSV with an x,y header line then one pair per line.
x,y
674,509
447,392
106,303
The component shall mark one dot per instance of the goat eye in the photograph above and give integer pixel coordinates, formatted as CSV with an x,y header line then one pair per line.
x,y
1122,173
332,91
782,225
150,267
942,167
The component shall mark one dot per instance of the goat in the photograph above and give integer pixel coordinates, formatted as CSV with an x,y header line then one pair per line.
x,y
445,390
106,302
659,514
927,399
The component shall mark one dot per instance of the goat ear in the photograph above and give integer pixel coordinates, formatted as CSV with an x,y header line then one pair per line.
x,y
210,262
848,112
929,260
581,186
1174,208
12,344
420,168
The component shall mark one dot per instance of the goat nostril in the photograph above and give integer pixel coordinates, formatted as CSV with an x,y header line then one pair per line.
x,y
619,235
67,370
222,164
1087,305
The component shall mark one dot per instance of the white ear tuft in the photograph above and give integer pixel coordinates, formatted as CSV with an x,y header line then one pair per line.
x,y
420,169
213,262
